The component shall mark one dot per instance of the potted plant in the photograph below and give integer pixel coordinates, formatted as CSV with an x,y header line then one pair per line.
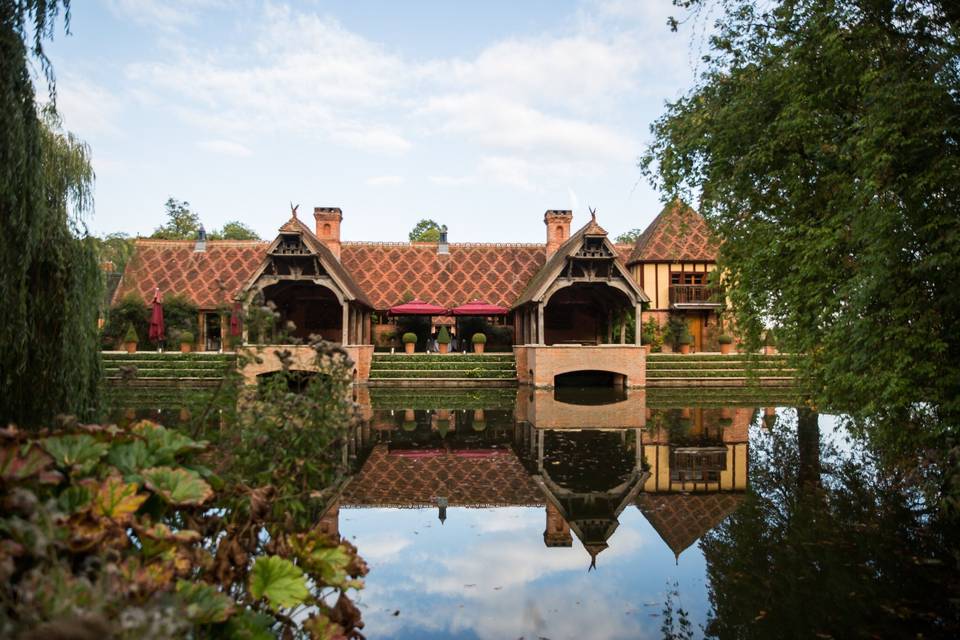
x,y
443,339
479,340
770,343
646,340
409,341
685,341
186,342
726,343
131,340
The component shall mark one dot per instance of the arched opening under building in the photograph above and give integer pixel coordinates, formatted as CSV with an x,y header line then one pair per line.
x,y
590,379
296,380
311,308
586,313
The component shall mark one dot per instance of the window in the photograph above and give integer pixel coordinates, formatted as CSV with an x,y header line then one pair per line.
x,y
678,278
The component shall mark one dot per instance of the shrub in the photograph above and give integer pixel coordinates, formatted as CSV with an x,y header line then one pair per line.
x,y
187,338
131,335
479,338
770,339
725,339
686,338
444,336
409,338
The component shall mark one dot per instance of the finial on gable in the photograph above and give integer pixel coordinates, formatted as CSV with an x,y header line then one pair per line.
x,y
593,214
293,209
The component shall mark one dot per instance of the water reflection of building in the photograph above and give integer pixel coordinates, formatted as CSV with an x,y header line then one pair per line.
x,y
684,469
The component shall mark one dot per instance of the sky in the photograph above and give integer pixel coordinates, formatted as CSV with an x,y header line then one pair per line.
x,y
480,116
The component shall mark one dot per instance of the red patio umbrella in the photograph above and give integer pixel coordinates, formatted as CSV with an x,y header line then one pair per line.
x,y
418,308
156,318
235,319
479,308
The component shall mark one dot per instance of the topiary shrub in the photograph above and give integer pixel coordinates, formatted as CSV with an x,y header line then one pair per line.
x,y
444,336
131,335
725,339
686,338
479,338
409,338
187,338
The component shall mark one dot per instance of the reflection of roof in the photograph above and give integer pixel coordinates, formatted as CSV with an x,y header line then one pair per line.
x,y
678,233
208,278
682,519
390,273
464,480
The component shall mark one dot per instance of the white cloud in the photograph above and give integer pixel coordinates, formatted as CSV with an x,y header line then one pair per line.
x,y
86,108
226,147
166,14
384,181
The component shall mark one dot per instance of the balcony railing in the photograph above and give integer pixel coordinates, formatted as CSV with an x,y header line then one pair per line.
x,y
694,294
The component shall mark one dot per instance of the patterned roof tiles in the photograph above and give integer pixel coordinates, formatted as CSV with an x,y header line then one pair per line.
x,y
209,278
682,519
677,233
390,273
402,481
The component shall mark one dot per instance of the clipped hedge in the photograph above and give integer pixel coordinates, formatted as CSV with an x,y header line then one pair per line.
x,y
436,374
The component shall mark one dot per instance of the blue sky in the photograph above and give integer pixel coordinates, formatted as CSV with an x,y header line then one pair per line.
x,y
478,115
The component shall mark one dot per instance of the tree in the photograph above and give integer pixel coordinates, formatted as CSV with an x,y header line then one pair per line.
x,y
50,282
628,237
823,139
234,230
116,248
182,223
425,231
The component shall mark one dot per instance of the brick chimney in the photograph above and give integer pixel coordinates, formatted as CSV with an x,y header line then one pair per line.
x,y
558,228
328,227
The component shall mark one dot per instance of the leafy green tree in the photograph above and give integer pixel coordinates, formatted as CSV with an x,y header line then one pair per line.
x,y
116,248
50,282
425,231
234,230
182,223
823,139
628,237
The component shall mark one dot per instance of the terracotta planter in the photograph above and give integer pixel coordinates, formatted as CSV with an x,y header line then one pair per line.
x,y
684,348
726,349
130,346
185,347
444,347
478,347
409,346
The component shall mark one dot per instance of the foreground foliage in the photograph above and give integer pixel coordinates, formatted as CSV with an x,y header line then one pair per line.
x,y
142,531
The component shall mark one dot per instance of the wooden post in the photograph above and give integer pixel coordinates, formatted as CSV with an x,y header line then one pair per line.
x,y
346,324
623,327
637,325
540,338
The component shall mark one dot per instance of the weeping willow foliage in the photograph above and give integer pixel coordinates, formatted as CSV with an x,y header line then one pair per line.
x,y
50,283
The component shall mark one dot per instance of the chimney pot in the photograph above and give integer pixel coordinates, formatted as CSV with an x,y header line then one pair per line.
x,y
557,222
328,227
443,248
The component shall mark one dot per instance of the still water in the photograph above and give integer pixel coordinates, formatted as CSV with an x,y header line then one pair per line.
x,y
586,514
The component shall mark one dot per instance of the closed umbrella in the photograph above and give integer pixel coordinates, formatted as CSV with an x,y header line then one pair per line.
x,y
156,320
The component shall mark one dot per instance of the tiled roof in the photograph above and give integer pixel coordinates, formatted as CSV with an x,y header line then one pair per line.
x,y
390,273
403,481
682,519
559,257
678,233
209,278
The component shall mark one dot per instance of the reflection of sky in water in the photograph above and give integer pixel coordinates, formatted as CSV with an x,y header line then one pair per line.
x,y
486,573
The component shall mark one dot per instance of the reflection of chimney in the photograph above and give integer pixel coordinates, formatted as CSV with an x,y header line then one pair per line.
x,y
329,524
328,227
558,228
557,533
443,248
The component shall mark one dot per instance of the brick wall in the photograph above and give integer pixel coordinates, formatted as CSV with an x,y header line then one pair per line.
x,y
546,362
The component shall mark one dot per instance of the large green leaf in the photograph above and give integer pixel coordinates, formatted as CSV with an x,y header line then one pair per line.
x,y
205,604
181,487
75,498
79,453
278,580
19,463
248,625
165,444
117,500
131,458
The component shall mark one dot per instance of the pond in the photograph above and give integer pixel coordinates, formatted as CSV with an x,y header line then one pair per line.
x,y
503,513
